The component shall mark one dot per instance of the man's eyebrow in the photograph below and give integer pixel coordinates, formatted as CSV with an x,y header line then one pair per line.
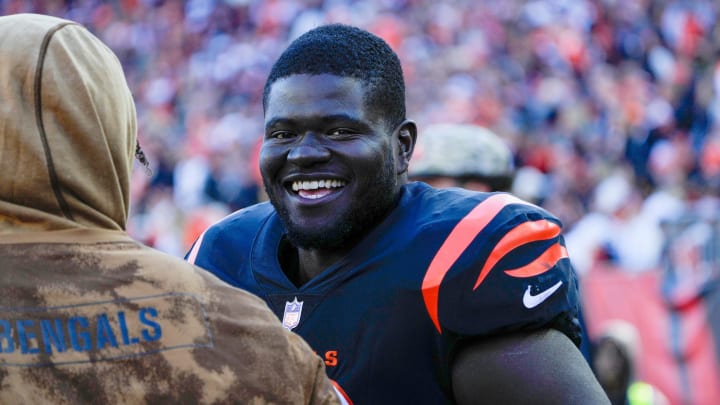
x,y
343,118
278,121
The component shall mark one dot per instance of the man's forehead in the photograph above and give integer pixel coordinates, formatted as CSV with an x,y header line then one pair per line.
x,y
321,85
305,94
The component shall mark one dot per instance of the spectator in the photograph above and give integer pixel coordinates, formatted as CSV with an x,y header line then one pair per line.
x,y
90,315
466,156
615,356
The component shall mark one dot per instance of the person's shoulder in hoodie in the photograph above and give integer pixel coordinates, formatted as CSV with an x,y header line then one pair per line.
x,y
88,315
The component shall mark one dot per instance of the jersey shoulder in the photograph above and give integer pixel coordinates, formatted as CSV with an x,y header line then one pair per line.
x,y
251,216
501,265
228,242
442,210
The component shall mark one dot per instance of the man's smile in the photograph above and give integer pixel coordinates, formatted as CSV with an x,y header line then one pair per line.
x,y
316,188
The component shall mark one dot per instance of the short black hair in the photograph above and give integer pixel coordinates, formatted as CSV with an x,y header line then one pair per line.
x,y
347,51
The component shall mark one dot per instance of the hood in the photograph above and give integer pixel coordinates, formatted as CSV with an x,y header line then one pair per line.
x,y
67,128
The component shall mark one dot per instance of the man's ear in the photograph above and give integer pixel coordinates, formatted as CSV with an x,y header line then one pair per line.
x,y
406,135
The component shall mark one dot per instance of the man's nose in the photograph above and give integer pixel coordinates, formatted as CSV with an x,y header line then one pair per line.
x,y
309,150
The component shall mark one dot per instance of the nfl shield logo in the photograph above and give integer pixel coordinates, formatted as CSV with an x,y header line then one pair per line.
x,y
293,310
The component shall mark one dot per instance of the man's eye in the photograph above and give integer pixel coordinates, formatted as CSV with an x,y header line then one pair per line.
x,y
341,131
281,135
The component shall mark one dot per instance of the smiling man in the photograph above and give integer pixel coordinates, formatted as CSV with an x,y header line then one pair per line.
x,y
411,294
328,165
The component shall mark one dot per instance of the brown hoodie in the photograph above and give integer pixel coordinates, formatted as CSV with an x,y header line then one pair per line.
x,y
87,315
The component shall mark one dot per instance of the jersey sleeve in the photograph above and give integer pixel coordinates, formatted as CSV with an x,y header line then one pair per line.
x,y
504,267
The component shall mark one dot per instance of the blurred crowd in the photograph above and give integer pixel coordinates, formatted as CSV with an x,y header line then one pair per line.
x,y
610,107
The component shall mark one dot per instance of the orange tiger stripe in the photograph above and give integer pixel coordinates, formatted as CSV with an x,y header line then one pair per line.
x,y
459,239
195,249
520,235
543,263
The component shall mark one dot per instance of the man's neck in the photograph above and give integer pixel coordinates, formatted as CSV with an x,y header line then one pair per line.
x,y
302,265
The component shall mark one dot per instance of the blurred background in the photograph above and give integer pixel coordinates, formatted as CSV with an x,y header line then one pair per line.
x,y
610,109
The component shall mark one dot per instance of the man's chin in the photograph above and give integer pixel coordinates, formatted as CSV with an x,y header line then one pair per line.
x,y
319,239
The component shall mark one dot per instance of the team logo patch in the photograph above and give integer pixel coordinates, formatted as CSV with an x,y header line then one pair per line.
x,y
293,311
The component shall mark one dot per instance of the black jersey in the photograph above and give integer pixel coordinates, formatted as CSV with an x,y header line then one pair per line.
x,y
446,265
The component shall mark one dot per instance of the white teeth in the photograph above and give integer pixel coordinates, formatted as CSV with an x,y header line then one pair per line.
x,y
316,184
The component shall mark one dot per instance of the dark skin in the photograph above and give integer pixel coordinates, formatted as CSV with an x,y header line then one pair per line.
x,y
318,131
317,128
541,367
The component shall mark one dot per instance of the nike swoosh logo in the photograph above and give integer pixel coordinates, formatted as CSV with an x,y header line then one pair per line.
x,y
531,301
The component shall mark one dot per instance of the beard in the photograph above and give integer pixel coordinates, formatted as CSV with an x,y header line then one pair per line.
x,y
354,223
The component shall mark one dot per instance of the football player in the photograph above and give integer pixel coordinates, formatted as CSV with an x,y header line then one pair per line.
x,y
411,294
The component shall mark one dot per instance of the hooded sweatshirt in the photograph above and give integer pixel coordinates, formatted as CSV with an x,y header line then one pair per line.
x,y
88,315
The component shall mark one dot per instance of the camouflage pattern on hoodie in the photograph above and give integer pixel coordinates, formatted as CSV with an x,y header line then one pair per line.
x,y
87,315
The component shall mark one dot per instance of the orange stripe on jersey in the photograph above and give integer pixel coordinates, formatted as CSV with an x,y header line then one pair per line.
x,y
195,249
342,395
518,236
543,263
459,239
